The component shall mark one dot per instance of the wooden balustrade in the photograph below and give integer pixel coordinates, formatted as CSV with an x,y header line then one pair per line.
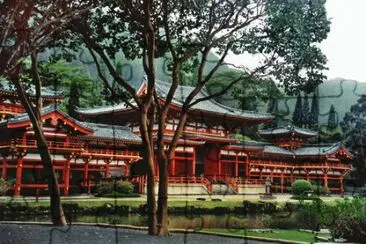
x,y
11,109
270,164
70,146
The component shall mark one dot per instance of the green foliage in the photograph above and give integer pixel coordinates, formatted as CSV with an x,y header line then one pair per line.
x,y
305,112
332,119
76,83
73,101
350,220
319,190
4,186
247,93
316,215
328,136
110,187
297,115
272,108
120,195
300,187
289,31
354,127
314,113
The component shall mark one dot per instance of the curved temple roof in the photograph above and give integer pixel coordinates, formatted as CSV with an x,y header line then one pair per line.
x,y
207,106
90,130
306,151
288,130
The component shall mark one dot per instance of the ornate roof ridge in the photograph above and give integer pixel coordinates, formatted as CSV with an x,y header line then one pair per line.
x,y
288,129
91,124
46,91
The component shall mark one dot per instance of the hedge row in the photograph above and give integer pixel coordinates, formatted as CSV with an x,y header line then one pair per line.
x,y
12,208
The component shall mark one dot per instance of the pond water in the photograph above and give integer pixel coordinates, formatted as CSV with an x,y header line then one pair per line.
x,y
193,222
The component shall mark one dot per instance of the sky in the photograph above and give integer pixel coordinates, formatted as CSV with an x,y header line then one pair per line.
x,y
345,46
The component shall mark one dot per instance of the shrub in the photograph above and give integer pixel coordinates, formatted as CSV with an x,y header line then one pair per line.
x,y
316,215
109,187
350,220
320,190
300,187
124,187
4,186
105,187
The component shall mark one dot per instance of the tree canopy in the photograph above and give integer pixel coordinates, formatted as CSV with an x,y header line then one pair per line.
x,y
283,34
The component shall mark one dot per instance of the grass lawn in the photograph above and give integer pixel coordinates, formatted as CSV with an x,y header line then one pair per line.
x,y
291,235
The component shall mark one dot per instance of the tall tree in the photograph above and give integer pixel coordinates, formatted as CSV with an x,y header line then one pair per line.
x,y
272,108
332,118
305,112
26,28
186,31
354,129
73,101
314,113
297,115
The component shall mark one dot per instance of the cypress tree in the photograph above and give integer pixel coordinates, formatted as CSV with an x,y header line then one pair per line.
x,y
305,112
332,120
73,101
297,115
314,114
273,109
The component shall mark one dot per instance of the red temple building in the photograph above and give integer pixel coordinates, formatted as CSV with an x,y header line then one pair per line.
x,y
82,153
286,157
208,155
208,159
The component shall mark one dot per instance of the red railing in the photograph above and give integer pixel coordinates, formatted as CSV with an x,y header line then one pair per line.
x,y
71,146
11,109
51,144
114,153
302,165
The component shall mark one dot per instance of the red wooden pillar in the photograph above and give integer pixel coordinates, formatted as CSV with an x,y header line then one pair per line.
x,y
66,177
193,172
247,166
341,185
107,172
86,175
292,176
127,170
4,169
236,166
18,180
173,166
282,181
193,166
326,178
219,167
260,173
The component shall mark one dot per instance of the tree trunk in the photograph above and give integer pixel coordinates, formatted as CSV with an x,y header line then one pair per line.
x,y
151,201
163,196
57,212
146,136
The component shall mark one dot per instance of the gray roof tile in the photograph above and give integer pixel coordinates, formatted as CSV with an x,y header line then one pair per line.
x,y
287,130
181,94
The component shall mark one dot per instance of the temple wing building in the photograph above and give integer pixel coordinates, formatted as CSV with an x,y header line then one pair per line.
x,y
83,153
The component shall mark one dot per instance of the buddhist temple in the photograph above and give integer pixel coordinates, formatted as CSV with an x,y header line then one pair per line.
x,y
209,159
